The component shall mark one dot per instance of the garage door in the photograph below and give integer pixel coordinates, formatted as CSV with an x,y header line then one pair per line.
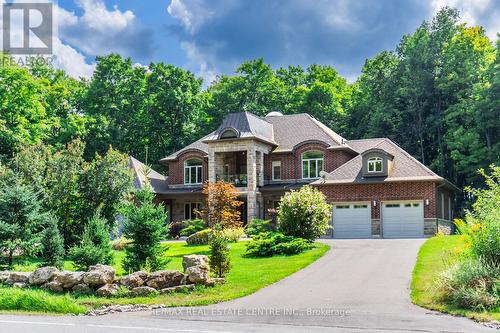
x,y
352,220
403,219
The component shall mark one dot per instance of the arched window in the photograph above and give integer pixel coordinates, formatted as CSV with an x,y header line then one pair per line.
x,y
312,164
228,134
192,171
374,164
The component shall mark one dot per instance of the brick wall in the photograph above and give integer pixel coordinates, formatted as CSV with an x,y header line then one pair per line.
x,y
176,168
383,192
291,163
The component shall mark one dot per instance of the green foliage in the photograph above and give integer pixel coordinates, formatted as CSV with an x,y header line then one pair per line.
x,y
192,226
200,237
471,284
220,261
119,244
52,244
258,226
275,243
233,234
21,218
95,247
175,228
304,213
145,226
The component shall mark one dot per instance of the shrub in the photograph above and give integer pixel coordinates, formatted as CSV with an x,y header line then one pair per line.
x,y
144,225
120,243
257,226
471,284
200,237
175,228
234,234
192,226
222,205
304,213
220,262
95,247
52,244
275,243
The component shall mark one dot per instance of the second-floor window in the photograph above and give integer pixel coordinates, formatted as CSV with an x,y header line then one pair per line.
x,y
312,164
192,172
375,164
276,170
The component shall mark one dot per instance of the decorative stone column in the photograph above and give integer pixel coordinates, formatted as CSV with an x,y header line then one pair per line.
x,y
211,166
252,182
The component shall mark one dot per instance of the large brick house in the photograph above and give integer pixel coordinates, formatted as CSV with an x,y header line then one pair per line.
x,y
376,188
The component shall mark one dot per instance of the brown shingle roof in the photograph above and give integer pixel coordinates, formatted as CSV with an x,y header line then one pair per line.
x,y
142,172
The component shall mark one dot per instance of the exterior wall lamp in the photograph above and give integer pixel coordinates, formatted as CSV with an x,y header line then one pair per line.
x,y
374,203
427,202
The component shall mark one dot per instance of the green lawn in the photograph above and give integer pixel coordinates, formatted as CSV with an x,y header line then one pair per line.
x,y
431,261
247,276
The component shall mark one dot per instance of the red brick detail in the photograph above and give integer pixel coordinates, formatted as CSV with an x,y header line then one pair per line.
x,y
382,192
291,163
176,168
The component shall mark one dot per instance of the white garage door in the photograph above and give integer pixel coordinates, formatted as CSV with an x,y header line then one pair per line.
x,y
402,219
352,220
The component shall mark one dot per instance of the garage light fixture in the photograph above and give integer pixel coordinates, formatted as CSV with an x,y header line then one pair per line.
x,y
427,202
374,203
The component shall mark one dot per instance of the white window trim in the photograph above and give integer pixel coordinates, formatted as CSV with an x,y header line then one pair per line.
x,y
309,160
273,165
190,169
374,161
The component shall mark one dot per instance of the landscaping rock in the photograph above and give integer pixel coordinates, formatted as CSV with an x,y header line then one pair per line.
x,y
19,285
69,279
107,290
99,275
214,281
143,291
81,288
165,279
42,275
182,287
134,280
4,275
15,277
197,274
53,286
194,260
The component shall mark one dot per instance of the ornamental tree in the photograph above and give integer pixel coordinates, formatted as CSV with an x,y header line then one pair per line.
x,y
304,213
222,205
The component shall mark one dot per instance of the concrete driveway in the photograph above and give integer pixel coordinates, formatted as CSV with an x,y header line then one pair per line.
x,y
358,286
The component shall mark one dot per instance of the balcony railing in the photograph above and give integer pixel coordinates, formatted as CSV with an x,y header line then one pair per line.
x,y
237,180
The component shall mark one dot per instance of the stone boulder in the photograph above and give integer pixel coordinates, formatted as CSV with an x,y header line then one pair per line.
x,y
15,277
134,280
214,281
81,288
69,279
143,291
194,260
4,275
19,285
197,274
165,279
53,286
43,275
107,290
182,287
99,275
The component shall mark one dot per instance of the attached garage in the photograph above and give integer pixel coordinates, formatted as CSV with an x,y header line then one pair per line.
x,y
352,220
402,219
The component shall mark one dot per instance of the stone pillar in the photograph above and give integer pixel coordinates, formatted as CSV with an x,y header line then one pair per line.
x,y
252,182
211,166
260,168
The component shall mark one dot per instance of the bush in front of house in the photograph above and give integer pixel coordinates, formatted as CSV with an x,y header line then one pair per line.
x,y
304,213
234,234
275,243
52,244
220,261
472,281
257,226
190,227
200,237
174,229
95,247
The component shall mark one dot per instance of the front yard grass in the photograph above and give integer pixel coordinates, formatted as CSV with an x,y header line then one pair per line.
x,y
246,276
431,261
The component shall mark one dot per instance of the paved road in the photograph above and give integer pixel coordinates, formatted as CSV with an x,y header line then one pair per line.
x,y
358,286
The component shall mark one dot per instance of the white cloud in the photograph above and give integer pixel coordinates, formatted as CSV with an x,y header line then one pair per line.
x,y
71,61
200,60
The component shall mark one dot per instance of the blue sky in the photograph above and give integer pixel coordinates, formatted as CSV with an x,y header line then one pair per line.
x,y
211,37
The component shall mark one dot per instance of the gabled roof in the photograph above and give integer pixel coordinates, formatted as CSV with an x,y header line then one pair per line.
x,y
142,172
246,125
198,145
405,167
294,129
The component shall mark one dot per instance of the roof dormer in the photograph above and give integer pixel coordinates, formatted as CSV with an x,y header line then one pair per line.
x,y
376,163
